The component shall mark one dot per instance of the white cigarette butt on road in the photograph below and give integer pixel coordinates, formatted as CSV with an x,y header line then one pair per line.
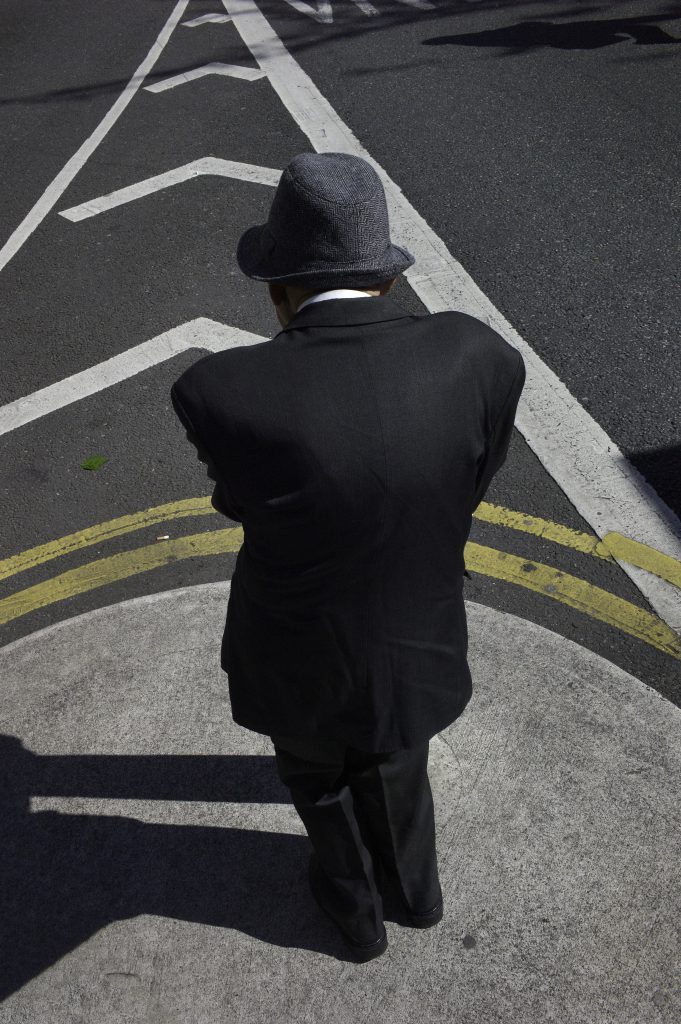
x,y
166,536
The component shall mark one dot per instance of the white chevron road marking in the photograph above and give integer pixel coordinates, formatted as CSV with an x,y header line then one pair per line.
x,y
206,165
322,10
201,333
217,68
205,19
420,5
57,187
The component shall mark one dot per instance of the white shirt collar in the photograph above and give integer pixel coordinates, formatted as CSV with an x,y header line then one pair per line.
x,y
334,293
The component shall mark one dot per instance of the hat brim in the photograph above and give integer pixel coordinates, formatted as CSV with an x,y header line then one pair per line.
x,y
258,258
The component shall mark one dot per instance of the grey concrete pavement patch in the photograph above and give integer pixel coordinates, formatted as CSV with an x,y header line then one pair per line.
x,y
558,839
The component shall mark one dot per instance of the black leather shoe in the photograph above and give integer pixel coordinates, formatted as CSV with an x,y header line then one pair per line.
x,y
428,919
363,951
422,919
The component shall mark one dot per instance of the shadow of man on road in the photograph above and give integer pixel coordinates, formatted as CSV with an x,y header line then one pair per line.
x,y
63,877
571,35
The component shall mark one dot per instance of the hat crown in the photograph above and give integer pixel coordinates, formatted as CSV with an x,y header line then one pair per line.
x,y
332,205
328,225
335,178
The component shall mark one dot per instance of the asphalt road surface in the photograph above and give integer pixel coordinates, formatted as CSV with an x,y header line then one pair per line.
x,y
539,144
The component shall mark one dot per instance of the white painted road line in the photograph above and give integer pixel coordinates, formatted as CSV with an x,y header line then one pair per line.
x,y
55,190
204,19
366,8
321,12
206,165
200,333
230,70
420,5
608,492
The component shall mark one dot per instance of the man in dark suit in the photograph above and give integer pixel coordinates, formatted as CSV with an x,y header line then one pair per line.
x,y
354,447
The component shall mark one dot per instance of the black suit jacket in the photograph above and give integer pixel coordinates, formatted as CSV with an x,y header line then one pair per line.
x,y
354,447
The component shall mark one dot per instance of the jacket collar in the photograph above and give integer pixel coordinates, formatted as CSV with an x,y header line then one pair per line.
x,y
346,312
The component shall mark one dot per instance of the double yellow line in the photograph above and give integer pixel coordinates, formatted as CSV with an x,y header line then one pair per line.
x,y
543,579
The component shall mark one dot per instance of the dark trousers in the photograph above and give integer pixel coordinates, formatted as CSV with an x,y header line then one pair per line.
x,y
359,808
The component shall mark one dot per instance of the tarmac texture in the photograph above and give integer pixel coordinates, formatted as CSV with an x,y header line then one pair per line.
x,y
157,869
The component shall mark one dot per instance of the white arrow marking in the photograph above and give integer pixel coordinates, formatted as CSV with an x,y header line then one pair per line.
x,y
203,19
321,13
231,70
58,186
366,8
420,5
206,165
200,333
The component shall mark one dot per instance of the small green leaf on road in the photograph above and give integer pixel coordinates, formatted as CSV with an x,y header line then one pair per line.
x,y
94,462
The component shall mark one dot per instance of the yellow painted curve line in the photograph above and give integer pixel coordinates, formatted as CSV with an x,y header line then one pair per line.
x,y
544,579
577,593
544,528
118,567
635,553
103,531
613,546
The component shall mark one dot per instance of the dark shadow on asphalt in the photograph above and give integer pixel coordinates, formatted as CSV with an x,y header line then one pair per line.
x,y
63,877
662,469
346,24
349,23
571,35
84,93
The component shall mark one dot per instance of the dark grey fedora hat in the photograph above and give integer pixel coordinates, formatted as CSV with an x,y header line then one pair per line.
x,y
327,227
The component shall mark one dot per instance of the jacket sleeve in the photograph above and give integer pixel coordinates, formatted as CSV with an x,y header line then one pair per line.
x,y
498,442
220,499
